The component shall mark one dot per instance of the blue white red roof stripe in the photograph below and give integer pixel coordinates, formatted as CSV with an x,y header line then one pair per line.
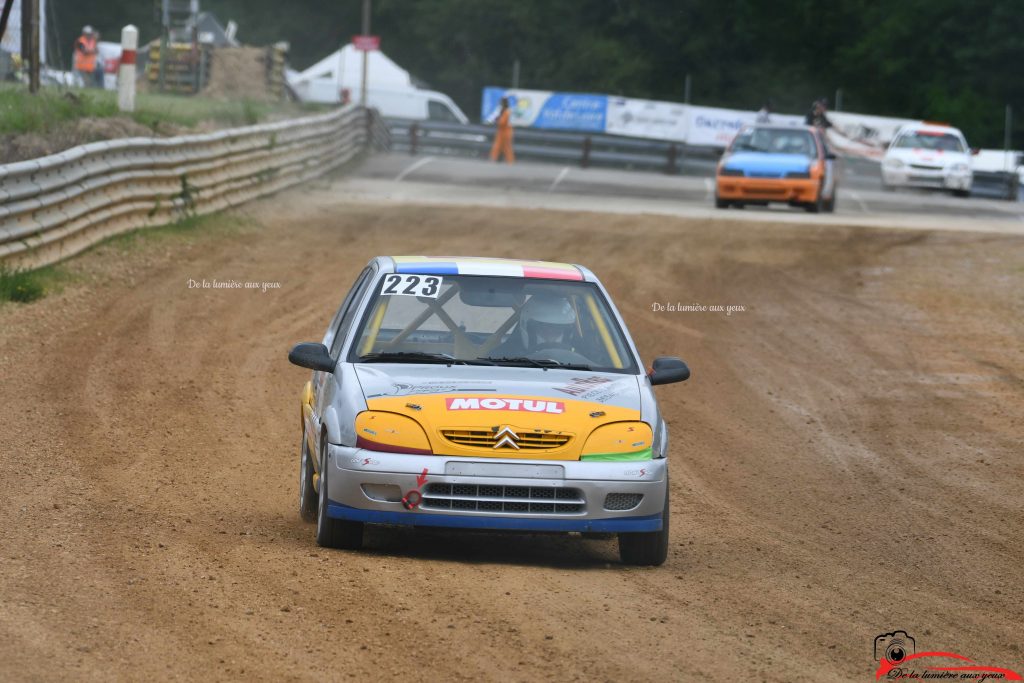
x,y
448,265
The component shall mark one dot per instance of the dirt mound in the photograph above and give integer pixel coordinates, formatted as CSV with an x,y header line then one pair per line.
x,y
239,73
78,132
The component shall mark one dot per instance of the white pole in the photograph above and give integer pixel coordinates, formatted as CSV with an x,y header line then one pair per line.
x,y
366,53
126,72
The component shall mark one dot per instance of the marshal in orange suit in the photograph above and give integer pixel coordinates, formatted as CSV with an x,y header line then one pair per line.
x,y
503,138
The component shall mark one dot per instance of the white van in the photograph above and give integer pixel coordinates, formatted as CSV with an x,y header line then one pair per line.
x,y
338,78
928,155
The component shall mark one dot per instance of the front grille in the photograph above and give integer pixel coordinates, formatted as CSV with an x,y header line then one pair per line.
x,y
622,501
926,167
535,500
484,438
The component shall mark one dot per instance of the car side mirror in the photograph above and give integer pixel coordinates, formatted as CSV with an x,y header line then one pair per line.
x,y
667,370
975,151
313,356
831,156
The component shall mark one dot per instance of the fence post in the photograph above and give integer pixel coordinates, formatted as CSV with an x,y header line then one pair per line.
x,y
414,134
673,152
585,158
126,70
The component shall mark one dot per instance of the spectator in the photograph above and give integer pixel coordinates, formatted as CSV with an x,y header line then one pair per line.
x,y
503,138
86,60
764,115
817,117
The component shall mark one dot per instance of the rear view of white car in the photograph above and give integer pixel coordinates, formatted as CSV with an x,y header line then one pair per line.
x,y
928,156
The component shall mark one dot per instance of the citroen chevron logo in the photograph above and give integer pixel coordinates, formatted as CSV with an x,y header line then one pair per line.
x,y
506,438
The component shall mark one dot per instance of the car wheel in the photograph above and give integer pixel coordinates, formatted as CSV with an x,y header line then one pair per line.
x,y
334,533
961,193
830,205
721,203
307,494
646,548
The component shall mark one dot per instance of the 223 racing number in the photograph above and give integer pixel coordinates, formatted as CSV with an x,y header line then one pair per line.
x,y
411,285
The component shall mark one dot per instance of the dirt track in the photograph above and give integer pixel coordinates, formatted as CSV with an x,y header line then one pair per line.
x,y
847,460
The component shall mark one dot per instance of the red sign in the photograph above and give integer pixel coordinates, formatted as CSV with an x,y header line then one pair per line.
x,y
366,43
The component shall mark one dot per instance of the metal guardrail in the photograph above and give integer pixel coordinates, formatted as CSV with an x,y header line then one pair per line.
x,y
996,185
56,206
610,151
582,149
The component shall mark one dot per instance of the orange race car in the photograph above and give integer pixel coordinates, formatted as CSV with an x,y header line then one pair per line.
x,y
767,163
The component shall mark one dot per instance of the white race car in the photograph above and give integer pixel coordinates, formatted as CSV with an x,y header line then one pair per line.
x,y
928,156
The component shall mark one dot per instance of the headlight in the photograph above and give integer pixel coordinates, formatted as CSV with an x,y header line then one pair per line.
x,y
730,171
798,174
377,430
893,163
959,168
619,441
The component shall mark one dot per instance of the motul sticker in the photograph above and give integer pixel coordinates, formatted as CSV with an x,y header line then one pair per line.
x,y
490,403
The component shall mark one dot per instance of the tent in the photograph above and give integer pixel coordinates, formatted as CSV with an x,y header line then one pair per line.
x,y
343,69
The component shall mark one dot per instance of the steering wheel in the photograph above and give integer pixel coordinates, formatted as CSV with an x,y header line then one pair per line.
x,y
558,353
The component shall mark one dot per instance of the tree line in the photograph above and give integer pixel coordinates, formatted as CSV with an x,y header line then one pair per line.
x,y
945,60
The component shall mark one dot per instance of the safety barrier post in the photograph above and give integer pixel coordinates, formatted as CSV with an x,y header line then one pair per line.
x,y
414,134
673,152
126,71
585,157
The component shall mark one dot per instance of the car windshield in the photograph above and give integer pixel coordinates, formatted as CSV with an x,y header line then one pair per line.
x,y
484,320
776,141
946,142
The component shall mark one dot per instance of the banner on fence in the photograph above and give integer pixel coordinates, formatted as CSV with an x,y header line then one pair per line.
x,y
549,110
649,119
646,119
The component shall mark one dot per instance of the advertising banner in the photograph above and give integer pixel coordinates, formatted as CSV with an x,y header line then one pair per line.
x,y
646,119
712,127
873,131
550,110
649,119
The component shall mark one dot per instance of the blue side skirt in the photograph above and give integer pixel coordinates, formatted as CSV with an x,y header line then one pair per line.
x,y
339,511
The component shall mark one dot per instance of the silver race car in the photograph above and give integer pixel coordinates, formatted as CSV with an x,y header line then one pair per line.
x,y
485,394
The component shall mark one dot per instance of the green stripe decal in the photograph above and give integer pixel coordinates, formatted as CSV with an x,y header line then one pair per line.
x,y
617,457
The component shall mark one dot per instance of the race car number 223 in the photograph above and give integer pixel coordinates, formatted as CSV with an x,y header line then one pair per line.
x,y
411,285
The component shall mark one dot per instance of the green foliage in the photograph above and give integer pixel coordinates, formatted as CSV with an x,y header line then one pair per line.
x,y
23,286
936,59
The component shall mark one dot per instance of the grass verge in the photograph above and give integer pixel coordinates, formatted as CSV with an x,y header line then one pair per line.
x,y
21,112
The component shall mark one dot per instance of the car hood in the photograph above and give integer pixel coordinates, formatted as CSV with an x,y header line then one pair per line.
x,y
757,163
563,406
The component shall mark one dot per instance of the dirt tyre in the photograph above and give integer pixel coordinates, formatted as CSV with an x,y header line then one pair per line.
x,y
646,548
307,494
330,532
